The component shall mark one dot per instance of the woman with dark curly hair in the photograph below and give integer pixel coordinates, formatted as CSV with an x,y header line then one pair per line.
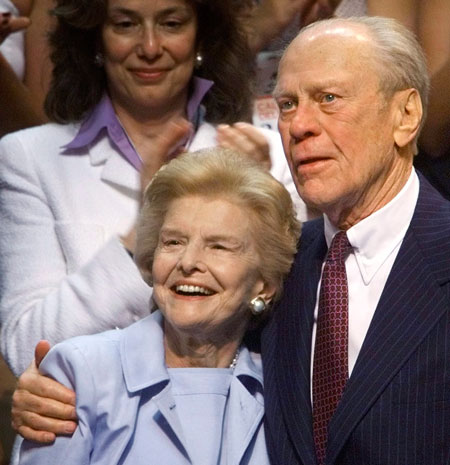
x,y
80,43
134,83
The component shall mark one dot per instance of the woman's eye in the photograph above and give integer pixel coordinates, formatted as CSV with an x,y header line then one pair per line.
x,y
219,247
123,24
172,24
171,242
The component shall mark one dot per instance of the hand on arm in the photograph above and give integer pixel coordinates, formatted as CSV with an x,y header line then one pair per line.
x,y
42,408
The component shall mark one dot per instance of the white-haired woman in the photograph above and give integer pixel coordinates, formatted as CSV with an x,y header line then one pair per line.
x,y
216,237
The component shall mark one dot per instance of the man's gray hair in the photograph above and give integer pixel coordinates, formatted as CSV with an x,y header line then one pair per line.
x,y
401,60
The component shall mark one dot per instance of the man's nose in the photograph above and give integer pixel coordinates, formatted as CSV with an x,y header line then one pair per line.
x,y
305,122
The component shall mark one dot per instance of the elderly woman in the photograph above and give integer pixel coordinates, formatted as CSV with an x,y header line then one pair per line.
x,y
216,237
129,79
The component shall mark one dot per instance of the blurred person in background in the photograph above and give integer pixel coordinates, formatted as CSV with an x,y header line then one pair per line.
x,y
430,22
24,63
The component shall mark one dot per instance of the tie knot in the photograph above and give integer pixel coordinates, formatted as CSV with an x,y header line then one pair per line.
x,y
339,248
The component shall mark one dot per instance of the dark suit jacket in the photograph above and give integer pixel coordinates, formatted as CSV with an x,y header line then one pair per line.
x,y
396,406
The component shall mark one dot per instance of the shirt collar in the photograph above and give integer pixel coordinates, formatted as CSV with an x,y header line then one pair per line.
x,y
142,354
374,238
103,117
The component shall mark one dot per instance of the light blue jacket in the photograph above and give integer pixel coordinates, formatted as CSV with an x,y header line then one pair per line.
x,y
125,407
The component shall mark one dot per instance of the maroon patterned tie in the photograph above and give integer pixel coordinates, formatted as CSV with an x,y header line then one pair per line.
x,y
330,369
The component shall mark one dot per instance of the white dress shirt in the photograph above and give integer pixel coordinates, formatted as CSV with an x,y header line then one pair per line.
x,y
376,241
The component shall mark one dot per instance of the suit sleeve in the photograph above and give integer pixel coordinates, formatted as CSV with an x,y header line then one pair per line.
x,y
66,364
40,297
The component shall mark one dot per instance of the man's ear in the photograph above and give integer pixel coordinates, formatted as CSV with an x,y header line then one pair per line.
x,y
408,117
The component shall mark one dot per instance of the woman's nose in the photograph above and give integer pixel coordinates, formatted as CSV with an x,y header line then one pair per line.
x,y
149,44
191,260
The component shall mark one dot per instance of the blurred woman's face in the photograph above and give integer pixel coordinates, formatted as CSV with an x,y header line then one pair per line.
x,y
149,52
205,270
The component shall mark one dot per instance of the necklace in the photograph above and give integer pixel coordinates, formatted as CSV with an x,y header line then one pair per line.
x,y
235,359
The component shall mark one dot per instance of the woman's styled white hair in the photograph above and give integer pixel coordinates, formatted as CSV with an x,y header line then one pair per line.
x,y
225,174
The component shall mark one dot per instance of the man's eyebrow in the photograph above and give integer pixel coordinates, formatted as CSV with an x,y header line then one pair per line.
x,y
318,86
279,92
276,93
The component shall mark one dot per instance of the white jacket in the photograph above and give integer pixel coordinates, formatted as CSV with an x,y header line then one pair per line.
x,y
63,270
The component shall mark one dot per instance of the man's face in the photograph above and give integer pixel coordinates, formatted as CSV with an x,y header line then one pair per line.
x,y
337,127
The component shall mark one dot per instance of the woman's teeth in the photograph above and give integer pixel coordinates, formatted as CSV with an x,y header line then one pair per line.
x,y
187,289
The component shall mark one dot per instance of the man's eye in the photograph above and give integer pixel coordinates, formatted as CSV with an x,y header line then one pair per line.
x,y
286,105
328,98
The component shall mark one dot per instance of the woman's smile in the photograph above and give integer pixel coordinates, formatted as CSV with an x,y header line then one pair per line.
x,y
192,290
205,269
149,74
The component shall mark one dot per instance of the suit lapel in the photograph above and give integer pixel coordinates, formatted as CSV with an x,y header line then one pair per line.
x,y
411,304
294,346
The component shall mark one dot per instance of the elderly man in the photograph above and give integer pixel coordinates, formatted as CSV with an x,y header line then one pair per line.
x,y
357,355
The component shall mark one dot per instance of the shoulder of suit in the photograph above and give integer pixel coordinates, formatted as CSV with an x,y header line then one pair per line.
x,y
311,230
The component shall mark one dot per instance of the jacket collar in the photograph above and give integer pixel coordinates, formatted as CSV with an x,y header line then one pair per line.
x,y
142,355
103,121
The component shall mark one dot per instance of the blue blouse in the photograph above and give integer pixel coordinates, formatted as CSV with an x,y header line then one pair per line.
x,y
133,410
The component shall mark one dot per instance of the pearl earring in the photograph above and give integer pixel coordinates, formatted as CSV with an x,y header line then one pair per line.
x,y
198,60
257,306
99,59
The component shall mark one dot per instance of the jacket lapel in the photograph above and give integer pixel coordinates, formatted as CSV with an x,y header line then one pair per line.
x,y
411,304
166,405
115,169
294,347
245,415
